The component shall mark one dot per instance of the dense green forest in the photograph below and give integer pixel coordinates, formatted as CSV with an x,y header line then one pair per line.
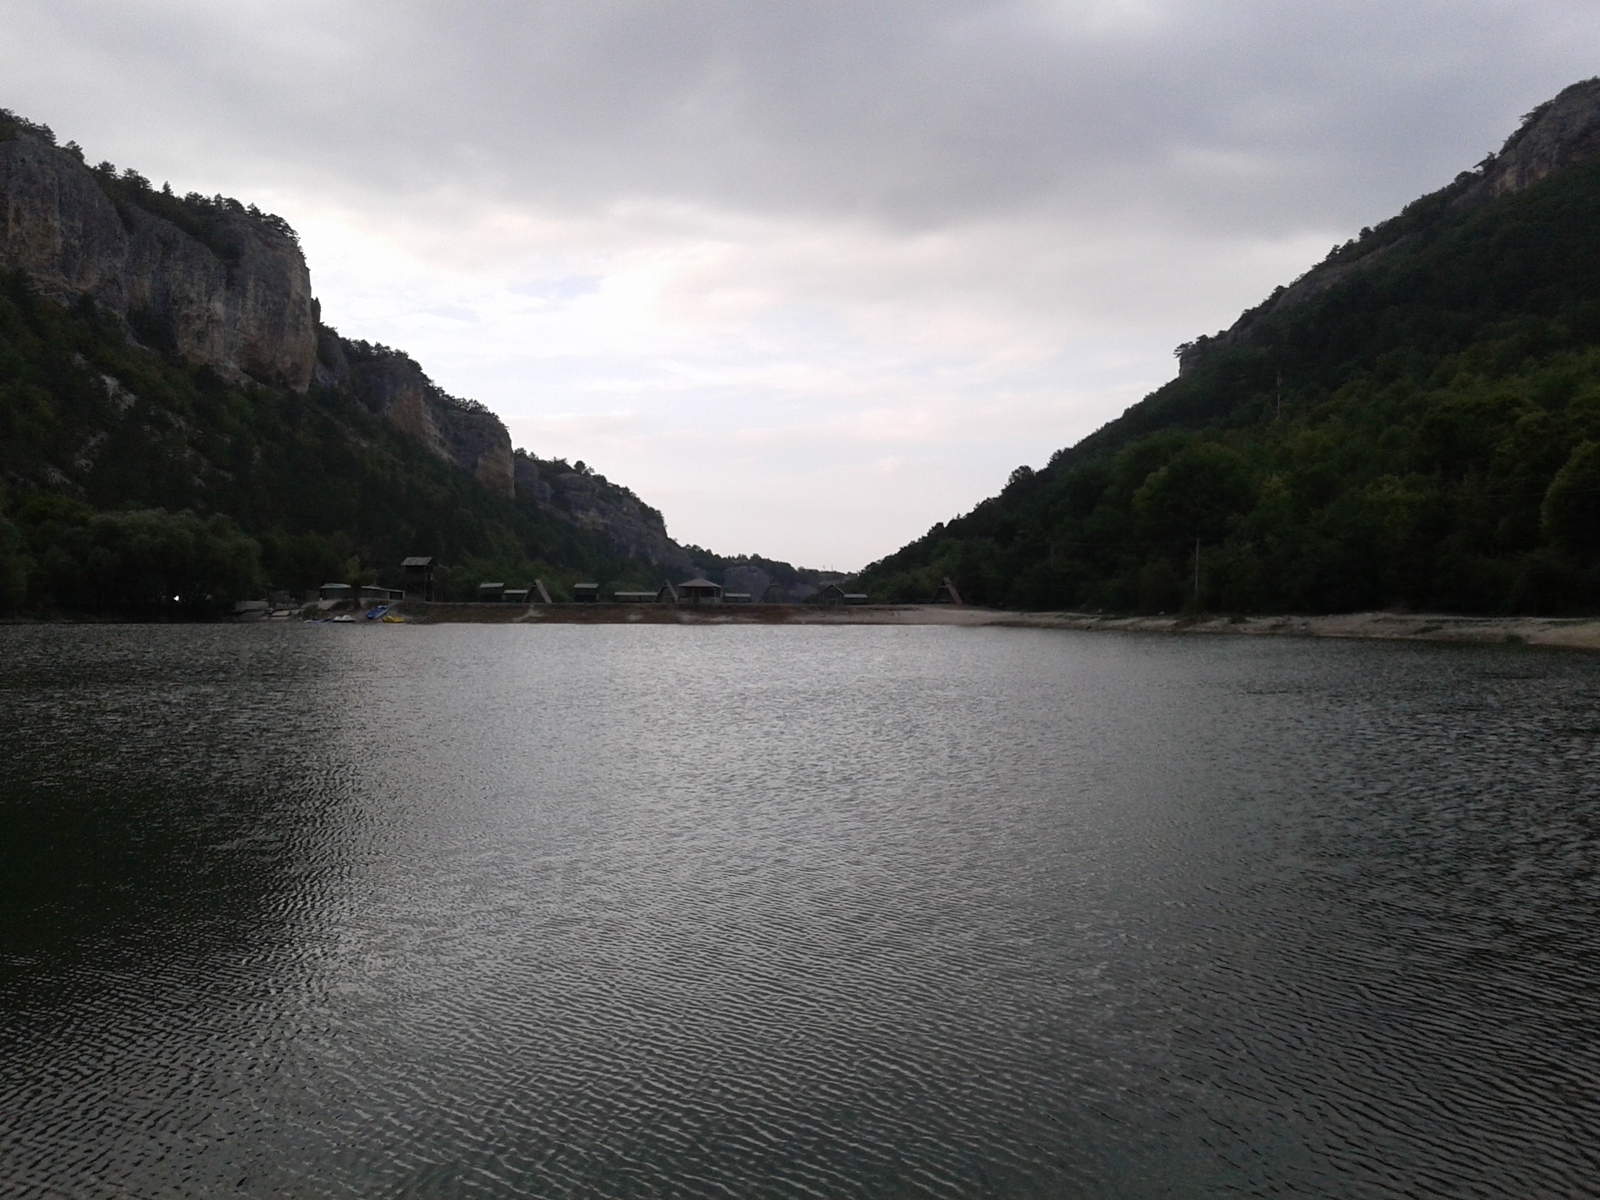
x,y
170,490
1423,433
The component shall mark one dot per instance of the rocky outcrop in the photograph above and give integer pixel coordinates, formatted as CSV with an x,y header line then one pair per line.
x,y
1560,133
219,284
529,482
394,387
591,502
749,579
241,305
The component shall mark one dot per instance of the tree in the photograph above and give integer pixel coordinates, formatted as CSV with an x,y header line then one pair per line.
x,y
1570,514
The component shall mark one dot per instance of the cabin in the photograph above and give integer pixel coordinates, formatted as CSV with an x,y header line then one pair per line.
x,y
700,591
491,593
855,598
829,595
336,591
419,578
736,597
372,594
633,597
537,594
946,593
666,594
586,593
516,595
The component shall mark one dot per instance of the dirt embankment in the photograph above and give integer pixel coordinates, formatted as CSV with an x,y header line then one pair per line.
x,y
1573,632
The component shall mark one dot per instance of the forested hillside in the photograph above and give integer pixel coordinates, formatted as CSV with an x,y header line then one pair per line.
x,y
1416,423
179,429
163,479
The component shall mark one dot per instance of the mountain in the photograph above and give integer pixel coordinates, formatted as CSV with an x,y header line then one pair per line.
x,y
1415,423
177,421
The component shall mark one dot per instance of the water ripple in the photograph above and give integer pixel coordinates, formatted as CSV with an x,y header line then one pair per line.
x,y
618,911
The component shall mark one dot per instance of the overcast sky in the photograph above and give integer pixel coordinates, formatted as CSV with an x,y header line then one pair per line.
x,y
809,277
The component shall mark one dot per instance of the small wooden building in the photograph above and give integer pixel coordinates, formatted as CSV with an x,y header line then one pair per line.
x,y
419,578
700,591
667,594
633,597
736,597
855,598
491,593
537,593
586,593
336,591
946,593
829,595
516,595
371,594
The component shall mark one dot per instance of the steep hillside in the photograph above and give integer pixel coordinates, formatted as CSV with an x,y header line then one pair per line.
x,y
177,421
1415,422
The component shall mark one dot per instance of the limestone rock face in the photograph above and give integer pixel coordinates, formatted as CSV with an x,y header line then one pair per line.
x,y
394,386
594,503
240,302
525,470
634,528
247,311
1561,133
749,579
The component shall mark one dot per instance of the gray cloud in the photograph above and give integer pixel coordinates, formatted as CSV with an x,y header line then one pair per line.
x,y
895,247
1216,115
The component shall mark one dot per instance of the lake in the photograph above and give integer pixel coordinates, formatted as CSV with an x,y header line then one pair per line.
x,y
794,911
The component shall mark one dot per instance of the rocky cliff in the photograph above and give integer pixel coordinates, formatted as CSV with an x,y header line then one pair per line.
x,y
393,386
214,282
1562,132
594,503
241,304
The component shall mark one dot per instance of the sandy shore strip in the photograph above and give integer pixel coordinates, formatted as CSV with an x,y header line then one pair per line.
x,y
1571,632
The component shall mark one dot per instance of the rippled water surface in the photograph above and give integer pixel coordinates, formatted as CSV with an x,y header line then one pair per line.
x,y
622,911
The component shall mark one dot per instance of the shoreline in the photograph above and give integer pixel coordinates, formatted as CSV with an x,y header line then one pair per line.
x,y
1581,633
1569,633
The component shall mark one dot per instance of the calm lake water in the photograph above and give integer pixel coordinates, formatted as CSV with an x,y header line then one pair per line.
x,y
662,911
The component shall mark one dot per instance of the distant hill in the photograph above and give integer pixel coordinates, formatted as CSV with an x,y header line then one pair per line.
x,y
1415,422
177,421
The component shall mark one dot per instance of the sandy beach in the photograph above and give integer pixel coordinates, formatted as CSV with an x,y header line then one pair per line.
x,y
1570,632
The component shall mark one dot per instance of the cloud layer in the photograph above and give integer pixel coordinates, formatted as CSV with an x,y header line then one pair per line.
x,y
807,276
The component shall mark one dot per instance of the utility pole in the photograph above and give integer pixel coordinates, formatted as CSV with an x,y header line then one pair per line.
x,y
1197,574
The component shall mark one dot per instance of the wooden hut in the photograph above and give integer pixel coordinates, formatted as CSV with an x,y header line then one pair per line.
x,y
700,591
946,593
419,578
667,594
586,593
491,593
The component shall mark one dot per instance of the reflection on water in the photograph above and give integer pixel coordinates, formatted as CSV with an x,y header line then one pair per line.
x,y
627,911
